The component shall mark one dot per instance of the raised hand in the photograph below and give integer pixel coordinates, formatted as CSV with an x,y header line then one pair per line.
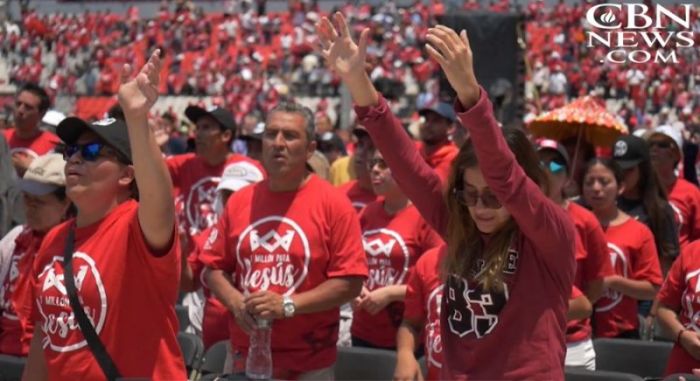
x,y
137,95
454,55
342,55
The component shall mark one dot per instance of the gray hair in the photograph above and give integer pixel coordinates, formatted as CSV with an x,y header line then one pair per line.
x,y
305,112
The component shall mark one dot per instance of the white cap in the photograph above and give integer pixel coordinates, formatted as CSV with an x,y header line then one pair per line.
x,y
672,133
239,175
44,175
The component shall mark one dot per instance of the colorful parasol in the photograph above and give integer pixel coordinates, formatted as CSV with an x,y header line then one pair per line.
x,y
583,118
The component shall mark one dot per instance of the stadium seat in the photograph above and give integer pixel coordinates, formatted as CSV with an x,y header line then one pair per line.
x,y
643,358
598,375
183,317
677,377
214,358
192,349
11,368
356,363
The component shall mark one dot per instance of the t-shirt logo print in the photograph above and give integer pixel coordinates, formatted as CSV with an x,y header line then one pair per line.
x,y
432,335
61,329
8,287
388,258
690,300
273,254
471,309
199,209
619,261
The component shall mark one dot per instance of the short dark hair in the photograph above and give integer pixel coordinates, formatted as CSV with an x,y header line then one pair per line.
x,y
44,101
296,108
116,112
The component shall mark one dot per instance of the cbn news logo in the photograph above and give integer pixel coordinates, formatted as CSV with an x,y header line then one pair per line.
x,y
634,32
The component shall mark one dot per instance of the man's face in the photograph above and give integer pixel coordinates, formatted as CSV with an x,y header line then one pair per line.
x,y
286,146
209,136
435,128
27,114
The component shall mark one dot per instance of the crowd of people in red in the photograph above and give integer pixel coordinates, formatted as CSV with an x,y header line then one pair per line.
x,y
495,255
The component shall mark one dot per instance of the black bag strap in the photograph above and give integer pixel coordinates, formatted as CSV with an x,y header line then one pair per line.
x,y
93,340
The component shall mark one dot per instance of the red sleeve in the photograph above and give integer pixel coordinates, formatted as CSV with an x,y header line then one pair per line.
x,y
597,264
414,301
414,176
173,164
672,289
215,254
695,229
646,264
553,234
429,238
347,253
575,292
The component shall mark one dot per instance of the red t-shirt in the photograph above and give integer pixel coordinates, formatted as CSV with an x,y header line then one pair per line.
x,y
194,184
529,316
215,320
440,159
392,244
684,198
633,255
681,293
592,262
423,301
289,242
16,326
127,292
39,145
359,196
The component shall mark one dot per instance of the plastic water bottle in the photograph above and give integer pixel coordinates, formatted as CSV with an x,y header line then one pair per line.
x,y
258,365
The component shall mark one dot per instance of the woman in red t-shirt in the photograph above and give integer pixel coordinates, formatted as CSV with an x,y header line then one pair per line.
x,y
510,250
679,301
394,236
45,205
125,256
632,254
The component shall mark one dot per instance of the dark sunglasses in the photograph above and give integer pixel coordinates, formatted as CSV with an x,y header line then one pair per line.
x,y
661,144
380,163
89,151
470,198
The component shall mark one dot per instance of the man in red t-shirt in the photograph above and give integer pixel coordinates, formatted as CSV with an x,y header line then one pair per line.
x,y
360,191
26,140
665,150
435,145
287,250
196,175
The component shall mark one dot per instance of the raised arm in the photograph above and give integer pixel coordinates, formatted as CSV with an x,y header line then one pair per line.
x,y
156,207
521,196
413,175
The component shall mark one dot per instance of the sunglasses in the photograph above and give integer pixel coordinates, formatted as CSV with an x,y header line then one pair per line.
x,y
553,166
665,145
89,151
380,163
470,197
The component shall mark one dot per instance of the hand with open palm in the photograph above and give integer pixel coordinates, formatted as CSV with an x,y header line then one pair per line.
x,y
342,55
137,95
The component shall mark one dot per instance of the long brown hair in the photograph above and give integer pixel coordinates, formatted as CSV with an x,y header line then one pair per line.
x,y
466,248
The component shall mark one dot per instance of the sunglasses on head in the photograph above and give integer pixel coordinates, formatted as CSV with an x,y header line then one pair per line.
x,y
470,197
379,162
88,151
554,166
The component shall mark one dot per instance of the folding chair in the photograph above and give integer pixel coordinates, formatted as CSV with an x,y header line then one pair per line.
x,y
215,358
192,349
183,316
598,375
357,363
11,368
644,358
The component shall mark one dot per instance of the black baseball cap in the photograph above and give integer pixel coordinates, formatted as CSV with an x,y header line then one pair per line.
x,y
113,131
222,116
629,150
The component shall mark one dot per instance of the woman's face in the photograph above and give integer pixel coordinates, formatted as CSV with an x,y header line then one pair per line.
x,y
489,216
380,175
44,212
600,189
103,178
